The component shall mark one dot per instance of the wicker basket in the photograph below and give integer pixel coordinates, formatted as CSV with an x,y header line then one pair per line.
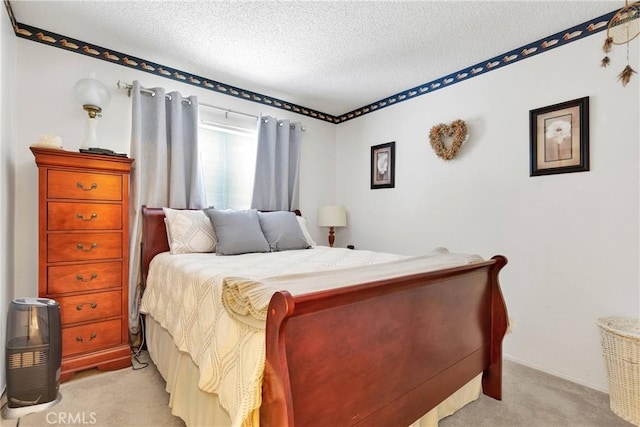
x,y
620,338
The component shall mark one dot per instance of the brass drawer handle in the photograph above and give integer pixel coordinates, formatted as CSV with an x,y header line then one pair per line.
x,y
91,304
80,278
91,338
80,186
82,218
80,246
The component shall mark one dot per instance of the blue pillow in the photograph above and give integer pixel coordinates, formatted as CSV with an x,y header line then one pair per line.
x,y
237,232
282,231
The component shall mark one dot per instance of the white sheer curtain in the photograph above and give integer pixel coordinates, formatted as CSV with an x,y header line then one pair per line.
x,y
166,171
277,175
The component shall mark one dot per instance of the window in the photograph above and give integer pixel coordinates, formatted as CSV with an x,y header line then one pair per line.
x,y
228,156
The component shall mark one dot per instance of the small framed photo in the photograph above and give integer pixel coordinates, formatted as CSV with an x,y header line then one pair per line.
x,y
383,165
560,138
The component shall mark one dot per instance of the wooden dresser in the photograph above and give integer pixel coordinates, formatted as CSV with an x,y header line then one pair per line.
x,y
83,203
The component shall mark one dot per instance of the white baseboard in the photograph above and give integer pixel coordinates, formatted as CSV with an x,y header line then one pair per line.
x,y
554,373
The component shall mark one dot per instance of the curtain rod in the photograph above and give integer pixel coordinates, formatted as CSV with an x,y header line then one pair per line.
x,y
128,87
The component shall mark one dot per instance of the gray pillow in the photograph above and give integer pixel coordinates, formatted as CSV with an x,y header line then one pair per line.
x,y
282,231
237,232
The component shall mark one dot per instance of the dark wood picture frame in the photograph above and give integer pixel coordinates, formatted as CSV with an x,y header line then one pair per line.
x,y
559,136
383,165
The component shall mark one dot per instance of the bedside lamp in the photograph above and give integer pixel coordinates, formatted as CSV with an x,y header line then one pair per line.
x,y
332,216
94,96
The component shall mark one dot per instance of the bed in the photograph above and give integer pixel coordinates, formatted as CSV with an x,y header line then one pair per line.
x,y
381,347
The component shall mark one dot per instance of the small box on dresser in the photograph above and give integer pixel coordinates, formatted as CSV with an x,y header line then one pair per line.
x,y
83,252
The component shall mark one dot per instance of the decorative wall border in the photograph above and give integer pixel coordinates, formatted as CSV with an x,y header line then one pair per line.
x,y
94,51
543,45
98,52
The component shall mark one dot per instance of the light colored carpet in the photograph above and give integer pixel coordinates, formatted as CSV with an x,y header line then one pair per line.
x,y
109,399
138,398
531,398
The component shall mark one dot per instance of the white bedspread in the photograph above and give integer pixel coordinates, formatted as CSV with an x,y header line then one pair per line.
x,y
184,294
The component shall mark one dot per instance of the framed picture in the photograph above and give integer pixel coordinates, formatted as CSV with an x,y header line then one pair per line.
x,y
383,165
560,138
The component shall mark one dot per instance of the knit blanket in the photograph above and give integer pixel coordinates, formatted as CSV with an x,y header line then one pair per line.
x,y
247,300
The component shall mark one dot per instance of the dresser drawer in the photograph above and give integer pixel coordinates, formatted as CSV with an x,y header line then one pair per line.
x,y
90,337
81,308
83,277
83,216
83,185
83,246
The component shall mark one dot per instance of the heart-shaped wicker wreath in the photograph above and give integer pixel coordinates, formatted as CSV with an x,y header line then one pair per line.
x,y
457,130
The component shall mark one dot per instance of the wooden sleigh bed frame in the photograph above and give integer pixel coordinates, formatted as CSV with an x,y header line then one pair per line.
x,y
377,354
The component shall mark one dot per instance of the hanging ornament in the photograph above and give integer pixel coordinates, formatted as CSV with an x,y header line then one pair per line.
x,y
625,75
622,28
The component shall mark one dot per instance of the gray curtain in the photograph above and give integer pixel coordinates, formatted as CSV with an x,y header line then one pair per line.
x,y
276,184
166,171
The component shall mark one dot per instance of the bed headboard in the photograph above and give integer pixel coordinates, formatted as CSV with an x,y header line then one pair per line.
x,y
154,237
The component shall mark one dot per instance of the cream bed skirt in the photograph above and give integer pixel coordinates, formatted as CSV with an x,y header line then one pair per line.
x,y
199,409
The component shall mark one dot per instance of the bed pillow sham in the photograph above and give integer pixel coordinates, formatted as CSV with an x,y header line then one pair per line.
x,y
189,231
237,231
302,222
282,231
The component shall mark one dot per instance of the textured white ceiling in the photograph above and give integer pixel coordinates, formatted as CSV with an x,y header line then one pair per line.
x,y
332,56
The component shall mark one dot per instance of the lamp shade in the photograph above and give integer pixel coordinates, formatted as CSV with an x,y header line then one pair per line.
x,y
332,216
94,96
90,91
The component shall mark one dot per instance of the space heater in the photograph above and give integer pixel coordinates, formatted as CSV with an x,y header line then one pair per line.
x,y
33,356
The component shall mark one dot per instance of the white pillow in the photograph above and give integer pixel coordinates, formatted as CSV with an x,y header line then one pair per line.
x,y
189,231
302,221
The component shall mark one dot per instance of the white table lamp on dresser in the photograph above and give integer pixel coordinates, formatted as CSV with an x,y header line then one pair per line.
x,y
332,216
94,96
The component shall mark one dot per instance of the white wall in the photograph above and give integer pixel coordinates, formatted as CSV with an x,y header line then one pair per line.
x,y
572,240
46,105
7,195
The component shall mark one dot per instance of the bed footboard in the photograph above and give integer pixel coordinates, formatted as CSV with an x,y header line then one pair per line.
x,y
383,353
